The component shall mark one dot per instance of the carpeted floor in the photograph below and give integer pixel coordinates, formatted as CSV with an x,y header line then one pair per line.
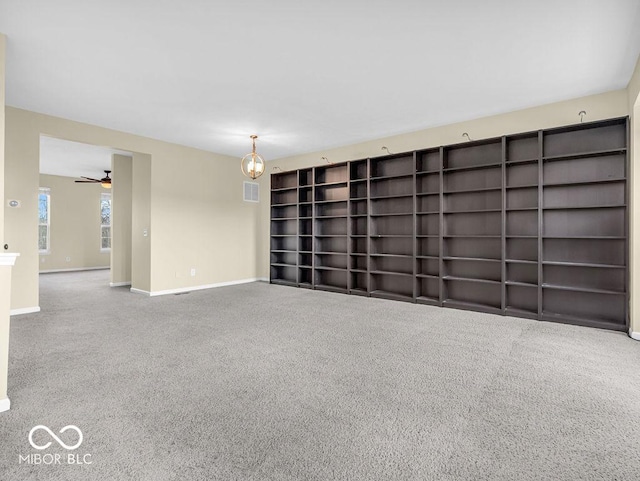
x,y
261,382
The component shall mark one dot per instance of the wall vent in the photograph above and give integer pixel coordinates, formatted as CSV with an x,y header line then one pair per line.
x,y
251,192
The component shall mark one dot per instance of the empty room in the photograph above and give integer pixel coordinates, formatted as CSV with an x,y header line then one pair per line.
x,y
319,240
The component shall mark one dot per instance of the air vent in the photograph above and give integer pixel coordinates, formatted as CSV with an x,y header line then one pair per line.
x,y
251,192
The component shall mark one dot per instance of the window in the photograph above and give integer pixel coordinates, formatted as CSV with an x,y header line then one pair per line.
x,y
105,222
44,220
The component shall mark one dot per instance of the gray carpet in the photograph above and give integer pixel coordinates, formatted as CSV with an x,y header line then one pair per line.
x,y
261,382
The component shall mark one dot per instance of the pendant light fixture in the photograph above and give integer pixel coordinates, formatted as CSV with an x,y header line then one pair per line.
x,y
252,164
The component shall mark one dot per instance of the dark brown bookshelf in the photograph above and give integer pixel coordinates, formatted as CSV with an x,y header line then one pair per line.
x,y
531,225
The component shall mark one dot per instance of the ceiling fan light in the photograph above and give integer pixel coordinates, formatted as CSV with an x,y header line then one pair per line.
x,y
106,185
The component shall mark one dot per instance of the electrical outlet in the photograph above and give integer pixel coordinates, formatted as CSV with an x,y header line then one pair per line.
x,y
68,259
193,271
43,259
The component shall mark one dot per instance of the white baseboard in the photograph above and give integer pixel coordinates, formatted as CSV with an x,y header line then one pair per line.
x,y
140,291
181,290
119,284
5,404
634,335
24,310
74,269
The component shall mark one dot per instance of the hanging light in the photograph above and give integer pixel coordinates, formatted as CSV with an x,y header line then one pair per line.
x,y
252,164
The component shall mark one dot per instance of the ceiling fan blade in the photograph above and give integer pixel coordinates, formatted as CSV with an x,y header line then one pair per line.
x,y
89,178
85,181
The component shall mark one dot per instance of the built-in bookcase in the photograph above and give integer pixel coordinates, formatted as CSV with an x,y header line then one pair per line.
x,y
531,225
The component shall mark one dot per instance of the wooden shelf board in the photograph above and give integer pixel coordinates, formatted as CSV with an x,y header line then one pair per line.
x,y
391,295
392,215
520,261
399,274
530,160
471,211
332,184
588,290
358,291
469,279
466,191
390,236
588,207
472,236
284,282
472,306
491,165
430,301
581,321
583,264
521,186
390,177
520,284
330,201
382,197
587,154
327,287
475,259
582,182
519,312
586,237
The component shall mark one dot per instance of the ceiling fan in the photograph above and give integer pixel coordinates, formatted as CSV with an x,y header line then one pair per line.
x,y
105,181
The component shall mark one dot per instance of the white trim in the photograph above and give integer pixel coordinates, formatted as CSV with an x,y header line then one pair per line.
x,y
180,290
24,310
8,258
634,335
74,269
119,284
5,405
140,291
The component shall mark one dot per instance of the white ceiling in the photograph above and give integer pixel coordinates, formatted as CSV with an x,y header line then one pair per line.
x,y
308,75
74,159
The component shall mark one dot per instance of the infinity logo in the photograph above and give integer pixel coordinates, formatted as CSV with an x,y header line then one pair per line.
x,y
58,440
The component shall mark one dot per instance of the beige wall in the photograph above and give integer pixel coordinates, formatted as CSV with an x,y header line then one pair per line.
x,y
2,82
121,204
141,222
197,218
633,97
603,106
75,225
